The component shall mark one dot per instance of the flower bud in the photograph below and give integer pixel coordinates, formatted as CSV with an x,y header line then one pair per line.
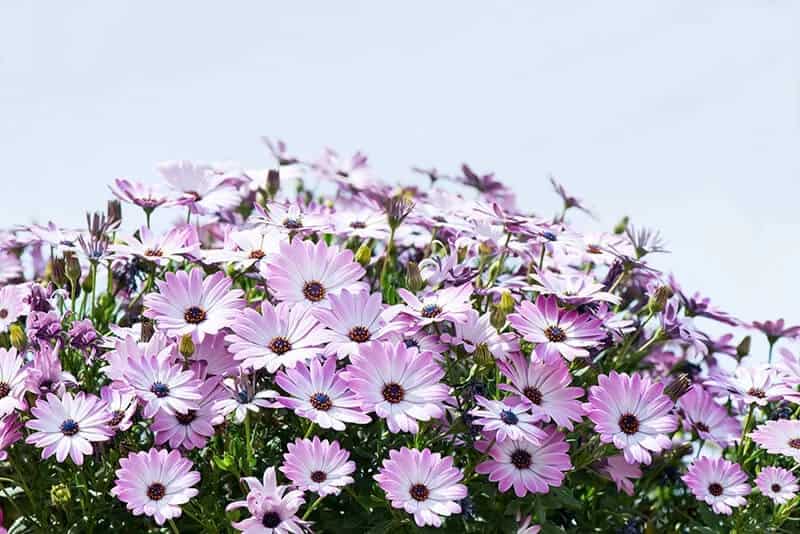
x,y
57,272
743,348
364,255
620,227
397,209
18,338
73,266
483,356
678,387
506,301
273,182
60,495
186,346
658,300
498,317
148,330
414,279
114,213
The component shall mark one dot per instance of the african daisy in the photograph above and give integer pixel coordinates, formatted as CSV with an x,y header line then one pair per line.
x,y
718,482
318,466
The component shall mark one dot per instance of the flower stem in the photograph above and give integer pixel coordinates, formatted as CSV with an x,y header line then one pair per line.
x,y
173,526
309,430
312,507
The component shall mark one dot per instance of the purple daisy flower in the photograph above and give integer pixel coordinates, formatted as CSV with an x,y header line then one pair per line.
x,y
751,385
351,320
191,304
318,466
291,217
778,484
526,466
399,384
12,306
779,437
43,327
556,331
574,289
146,196
13,378
45,374
10,433
543,387
423,483
174,245
191,430
505,421
273,510
68,426
122,406
199,186
449,304
708,418
245,248
621,473
774,330
632,413
83,336
162,385
718,482
319,394
305,272
213,353
155,483
478,331
279,336
242,397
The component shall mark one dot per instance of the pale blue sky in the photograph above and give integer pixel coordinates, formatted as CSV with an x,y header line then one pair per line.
x,y
682,114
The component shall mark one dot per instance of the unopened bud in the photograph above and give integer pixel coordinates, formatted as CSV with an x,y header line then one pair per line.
x,y
414,279
186,346
18,338
364,255
658,300
498,317
506,301
148,330
114,213
678,387
58,272
60,495
622,225
483,356
397,209
273,182
72,267
743,348
681,450
484,249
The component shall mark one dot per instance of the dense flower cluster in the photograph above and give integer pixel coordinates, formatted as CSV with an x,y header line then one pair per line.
x,y
308,348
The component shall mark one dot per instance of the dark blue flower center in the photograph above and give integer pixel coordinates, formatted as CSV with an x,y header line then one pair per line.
x,y
243,397
521,459
509,417
555,334
194,315
550,236
321,401
430,310
280,345
160,390
292,224
314,291
69,427
271,520
419,492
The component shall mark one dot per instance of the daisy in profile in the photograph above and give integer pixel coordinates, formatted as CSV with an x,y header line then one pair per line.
x,y
191,430
318,466
273,509
122,406
12,306
162,385
319,394
708,418
290,217
399,384
279,336
352,319
621,473
46,374
305,272
174,245
505,421
364,222
423,483
779,437
751,385
199,187
245,248
213,353
543,387
10,433
632,413
188,303
719,483
146,196
556,331
68,426
572,289
449,304
477,331
526,466
778,484
155,483
13,377
242,398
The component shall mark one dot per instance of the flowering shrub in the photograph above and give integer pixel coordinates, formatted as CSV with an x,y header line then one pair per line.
x,y
351,356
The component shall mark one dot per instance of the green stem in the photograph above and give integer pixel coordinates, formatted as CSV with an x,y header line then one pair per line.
x,y
173,526
248,440
745,430
94,287
387,259
309,430
500,261
769,360
312,507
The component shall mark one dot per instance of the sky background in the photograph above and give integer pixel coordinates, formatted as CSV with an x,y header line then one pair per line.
x,y
683,115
